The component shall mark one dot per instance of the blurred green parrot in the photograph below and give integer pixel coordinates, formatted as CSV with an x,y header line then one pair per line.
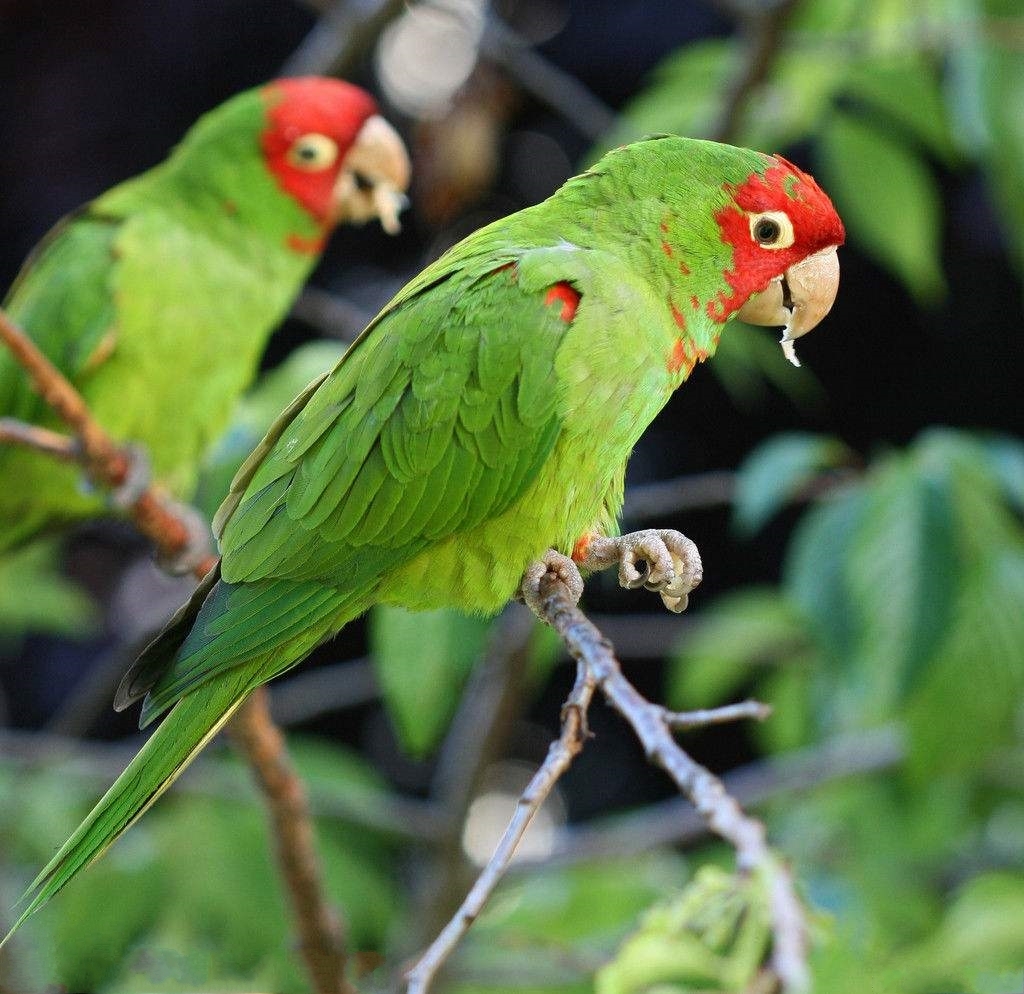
x,y
157,298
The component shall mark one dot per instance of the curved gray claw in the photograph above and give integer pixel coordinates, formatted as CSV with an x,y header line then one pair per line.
x,y
552,562
658,559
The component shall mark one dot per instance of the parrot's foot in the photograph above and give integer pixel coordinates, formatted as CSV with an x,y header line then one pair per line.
x,y
138,477
198,542
561,567
661,560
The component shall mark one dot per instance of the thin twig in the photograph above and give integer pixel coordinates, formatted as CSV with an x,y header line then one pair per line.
x,y
477,736
164,523
396,817
718,809
106,462
560,755
674,822
742,711
322,937
546,82
342,36
52,443
762,27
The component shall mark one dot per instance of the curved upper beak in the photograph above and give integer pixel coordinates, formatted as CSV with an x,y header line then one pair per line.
x,y
373,178
798,299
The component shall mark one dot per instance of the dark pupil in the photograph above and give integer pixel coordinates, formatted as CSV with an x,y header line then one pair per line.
x,y
766,231
307,152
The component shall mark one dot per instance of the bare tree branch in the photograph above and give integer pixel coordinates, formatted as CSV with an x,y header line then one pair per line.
x,y
561,754
718,809
674,822
321,934
761,26
598,667
546,82
167,526
342,37
490,705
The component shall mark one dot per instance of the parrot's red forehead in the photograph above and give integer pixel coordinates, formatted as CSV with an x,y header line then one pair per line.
x,y
781,187
316,104
785,187
312,105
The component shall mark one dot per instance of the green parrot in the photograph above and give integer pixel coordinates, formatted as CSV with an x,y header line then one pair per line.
x,y
157,298
478,431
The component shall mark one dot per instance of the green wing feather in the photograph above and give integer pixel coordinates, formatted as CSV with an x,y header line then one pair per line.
x,y
372,465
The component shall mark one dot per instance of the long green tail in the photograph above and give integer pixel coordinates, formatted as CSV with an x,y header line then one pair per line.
x,y
190,724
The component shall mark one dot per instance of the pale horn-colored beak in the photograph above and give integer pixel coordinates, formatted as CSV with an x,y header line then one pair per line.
x,y
373,178
797,300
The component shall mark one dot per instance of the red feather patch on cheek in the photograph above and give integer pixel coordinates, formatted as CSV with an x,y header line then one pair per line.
x,y
567,296
783,187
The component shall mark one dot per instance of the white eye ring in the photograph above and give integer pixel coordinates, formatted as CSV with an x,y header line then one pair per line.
x,y
313,152
772,229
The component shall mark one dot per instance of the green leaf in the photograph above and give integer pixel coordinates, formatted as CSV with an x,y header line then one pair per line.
x,y
546,930
38,597
972,695
981,937
422,660
813,572
888,199
1006,457
713,936
906,89
739,634
902,574
683,97
987,86
776,471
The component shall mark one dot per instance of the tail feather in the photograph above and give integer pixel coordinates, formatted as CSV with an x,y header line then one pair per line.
x,y
190,724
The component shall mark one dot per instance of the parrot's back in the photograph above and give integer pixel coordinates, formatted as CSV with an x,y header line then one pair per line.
x,y
155,300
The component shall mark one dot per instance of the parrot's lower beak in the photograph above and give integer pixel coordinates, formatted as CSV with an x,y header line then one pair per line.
x,y
798,299
373,178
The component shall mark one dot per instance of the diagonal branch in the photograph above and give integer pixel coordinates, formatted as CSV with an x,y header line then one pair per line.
x,y
718,809
653,724
322,935
560,755
166,525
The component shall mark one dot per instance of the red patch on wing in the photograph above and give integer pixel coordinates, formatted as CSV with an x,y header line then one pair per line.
x,y
666,248
306,246
311,104
783,187
695,301
568,297
579,550
684,268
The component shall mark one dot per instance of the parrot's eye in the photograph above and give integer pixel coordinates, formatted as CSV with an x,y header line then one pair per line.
x,y
313,152
772,230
